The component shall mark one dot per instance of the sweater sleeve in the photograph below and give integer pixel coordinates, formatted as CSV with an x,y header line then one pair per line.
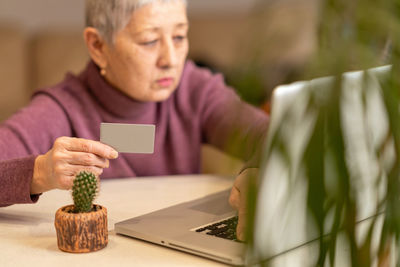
x,y
231,124
15,177
28,133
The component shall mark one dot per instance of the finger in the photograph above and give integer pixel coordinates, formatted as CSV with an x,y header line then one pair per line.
x,y
87,159
66,179
95,170
234,198
65,182
243,179
90,146
241,226
238,198
73,170
242,214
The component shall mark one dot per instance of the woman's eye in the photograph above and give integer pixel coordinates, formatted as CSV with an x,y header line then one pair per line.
x,y
179,38
150,43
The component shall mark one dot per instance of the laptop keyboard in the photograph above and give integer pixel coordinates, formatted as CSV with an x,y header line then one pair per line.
x,y
224,229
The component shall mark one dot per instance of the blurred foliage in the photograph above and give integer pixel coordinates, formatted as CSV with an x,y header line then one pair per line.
x,y
351,35
355,35
273,49
248,84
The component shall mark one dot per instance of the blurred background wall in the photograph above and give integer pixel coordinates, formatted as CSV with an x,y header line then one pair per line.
x,y
41,40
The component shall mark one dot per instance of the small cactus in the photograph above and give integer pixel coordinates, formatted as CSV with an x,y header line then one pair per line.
x,y
84,191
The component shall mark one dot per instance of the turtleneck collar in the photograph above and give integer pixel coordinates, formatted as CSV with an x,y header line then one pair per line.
x,y
113,100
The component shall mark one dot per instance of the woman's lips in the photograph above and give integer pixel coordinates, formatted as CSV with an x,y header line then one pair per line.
x,y
165,82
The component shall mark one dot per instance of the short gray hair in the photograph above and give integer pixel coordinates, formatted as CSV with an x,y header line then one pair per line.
x,y
110,16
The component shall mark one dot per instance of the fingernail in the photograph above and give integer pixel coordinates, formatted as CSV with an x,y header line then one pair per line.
x,y
114,154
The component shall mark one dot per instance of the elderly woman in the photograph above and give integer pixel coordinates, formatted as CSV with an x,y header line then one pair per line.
x,y
138,73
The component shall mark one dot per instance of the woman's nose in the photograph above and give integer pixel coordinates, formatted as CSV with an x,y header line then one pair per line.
x,y
167,56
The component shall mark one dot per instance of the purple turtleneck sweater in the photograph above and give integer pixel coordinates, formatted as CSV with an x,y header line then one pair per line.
x,y
202,110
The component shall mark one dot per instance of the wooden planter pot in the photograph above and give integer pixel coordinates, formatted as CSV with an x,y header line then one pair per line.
x,y
81,232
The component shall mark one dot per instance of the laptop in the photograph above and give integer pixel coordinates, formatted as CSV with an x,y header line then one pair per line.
x,y
191,227
204,226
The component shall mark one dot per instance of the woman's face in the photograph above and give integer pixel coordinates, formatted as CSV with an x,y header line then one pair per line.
x,y
147,58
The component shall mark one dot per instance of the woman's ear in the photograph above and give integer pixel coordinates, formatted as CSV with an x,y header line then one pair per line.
x,y
96,46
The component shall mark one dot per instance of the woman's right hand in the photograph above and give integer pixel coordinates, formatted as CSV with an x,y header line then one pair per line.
x,y
58,167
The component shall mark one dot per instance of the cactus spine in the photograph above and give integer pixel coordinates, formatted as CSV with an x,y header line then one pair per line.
x,y
84,191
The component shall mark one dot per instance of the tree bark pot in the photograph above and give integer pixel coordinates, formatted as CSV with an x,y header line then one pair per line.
x,y
81,232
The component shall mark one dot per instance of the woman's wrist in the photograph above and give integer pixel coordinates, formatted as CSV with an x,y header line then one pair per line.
x,y
38,184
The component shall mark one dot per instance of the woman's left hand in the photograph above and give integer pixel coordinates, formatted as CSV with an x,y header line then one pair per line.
x,y
238,199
